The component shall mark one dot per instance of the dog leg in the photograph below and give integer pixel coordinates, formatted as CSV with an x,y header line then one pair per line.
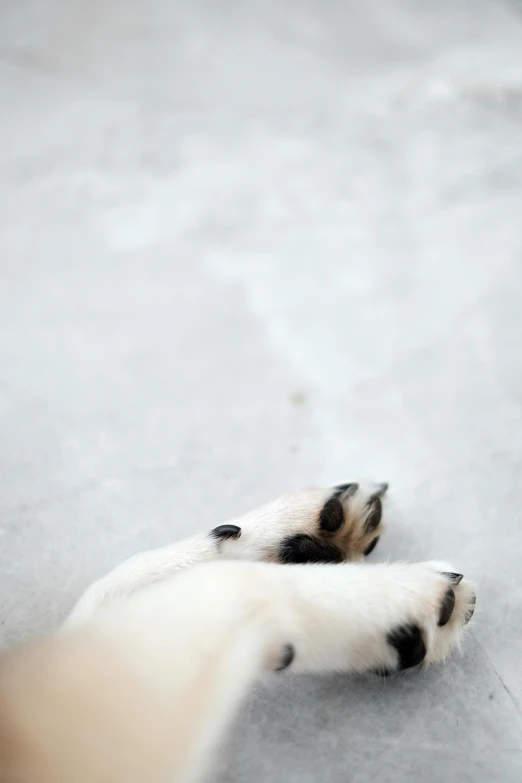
x,y
145,690
335,525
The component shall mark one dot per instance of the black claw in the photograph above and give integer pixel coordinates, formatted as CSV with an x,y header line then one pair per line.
x,y
340,489
226,531
287,657
447,607
372,546
373,519
331,517
455,579
409,644
309,549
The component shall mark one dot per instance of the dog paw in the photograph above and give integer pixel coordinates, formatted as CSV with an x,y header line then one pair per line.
x,y
347,527
437,604
339,524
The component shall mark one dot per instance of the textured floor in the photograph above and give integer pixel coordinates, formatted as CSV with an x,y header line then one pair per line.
x,y
250,246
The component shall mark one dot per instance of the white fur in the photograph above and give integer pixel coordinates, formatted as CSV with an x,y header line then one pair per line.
x,y
144,690
145,676
262,531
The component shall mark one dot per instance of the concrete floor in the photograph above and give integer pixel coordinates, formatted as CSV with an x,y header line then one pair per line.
x,y
251,246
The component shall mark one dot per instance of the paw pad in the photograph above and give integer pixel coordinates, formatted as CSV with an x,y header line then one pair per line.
x,y
309,549
409,644
447,607
332,515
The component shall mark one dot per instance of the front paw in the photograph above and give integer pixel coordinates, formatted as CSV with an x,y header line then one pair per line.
x,y
434,622
345,524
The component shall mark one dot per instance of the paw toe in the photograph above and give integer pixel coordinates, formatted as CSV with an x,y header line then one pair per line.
x,y
447,607
331,517
408,641
372,546
373,520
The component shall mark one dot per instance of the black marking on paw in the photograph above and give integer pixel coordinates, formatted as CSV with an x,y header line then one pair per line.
x,y
447,607
340,489
373,519
226,531
287,657
409,644
471,611
308,549
331,517
455,579
372,546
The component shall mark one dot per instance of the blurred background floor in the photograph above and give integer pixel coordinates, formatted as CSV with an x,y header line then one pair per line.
x,y
246,247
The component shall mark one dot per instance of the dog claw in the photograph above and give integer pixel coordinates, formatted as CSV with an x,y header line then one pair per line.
x,y
455,579
226,531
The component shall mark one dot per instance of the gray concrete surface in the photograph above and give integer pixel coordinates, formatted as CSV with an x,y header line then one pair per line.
x,y
250,246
